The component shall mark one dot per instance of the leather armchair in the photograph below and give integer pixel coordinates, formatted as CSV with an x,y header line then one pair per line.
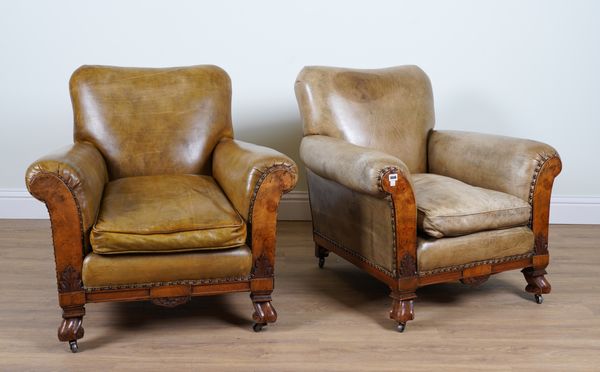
x,y
155,200
414,206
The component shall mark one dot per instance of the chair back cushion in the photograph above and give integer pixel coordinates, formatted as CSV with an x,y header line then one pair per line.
x,y
149,121
390,110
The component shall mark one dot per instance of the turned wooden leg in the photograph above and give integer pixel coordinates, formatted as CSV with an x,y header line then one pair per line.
x,y
71,329
402,308
536,283
264,312
321,253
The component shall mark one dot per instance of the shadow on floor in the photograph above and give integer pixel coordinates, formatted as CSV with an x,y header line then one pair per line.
x,y
134,317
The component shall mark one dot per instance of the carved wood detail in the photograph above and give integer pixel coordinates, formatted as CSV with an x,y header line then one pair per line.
x,y
540,201
536,281
475,281
402,307
264,220
171,301
264,312
71,327
262,267
404,225
408,265
70,280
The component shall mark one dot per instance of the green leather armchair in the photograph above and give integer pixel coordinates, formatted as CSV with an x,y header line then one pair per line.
x,y
411,205
155,200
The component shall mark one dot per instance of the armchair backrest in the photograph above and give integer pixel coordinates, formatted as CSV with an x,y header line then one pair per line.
x,y
148,121
387,109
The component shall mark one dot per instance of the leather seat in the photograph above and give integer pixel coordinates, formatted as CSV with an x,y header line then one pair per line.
x,y
102,271
456,253
167,213
449,207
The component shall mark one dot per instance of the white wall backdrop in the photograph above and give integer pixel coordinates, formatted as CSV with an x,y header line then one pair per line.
x,y
521,68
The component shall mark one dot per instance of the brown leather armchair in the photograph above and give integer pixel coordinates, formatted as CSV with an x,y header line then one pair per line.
x,y
155,200
413,206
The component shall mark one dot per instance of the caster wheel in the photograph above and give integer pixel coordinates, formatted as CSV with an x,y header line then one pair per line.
x,y
321,262
401,327
257,327
539,299
73,346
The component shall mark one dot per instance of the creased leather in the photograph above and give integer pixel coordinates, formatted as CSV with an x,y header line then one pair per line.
x,y
238,166
167,213
81,167
437,253
358,168
149,121
390,110
356,221
114,270
448,207
493,162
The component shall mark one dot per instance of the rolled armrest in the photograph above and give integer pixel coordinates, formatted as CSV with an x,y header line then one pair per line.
x,y
505,164
240,168
81,169
356,167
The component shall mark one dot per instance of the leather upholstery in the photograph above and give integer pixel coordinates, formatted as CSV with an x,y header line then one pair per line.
x,y
81,167
448,207
131,269
358,222
167,213
390,110
239,167
493,162
495,244
358,123
357,168
149,121
141,173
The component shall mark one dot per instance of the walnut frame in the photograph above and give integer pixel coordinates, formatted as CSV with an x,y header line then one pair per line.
x,y
406,279
69,240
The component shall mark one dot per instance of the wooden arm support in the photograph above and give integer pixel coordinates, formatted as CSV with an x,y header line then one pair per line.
x,y
263,228
67,237
542,182
540,203
405,227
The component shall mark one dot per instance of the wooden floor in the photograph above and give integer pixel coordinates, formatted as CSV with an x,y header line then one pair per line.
x,y
333,319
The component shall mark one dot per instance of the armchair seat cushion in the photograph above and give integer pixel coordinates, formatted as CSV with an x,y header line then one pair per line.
x,y
166,213
494,245
101,270
448,207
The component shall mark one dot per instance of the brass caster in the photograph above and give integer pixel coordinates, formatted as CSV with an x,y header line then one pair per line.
x,y
401,327
539,299
321,262
257,327
73,346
